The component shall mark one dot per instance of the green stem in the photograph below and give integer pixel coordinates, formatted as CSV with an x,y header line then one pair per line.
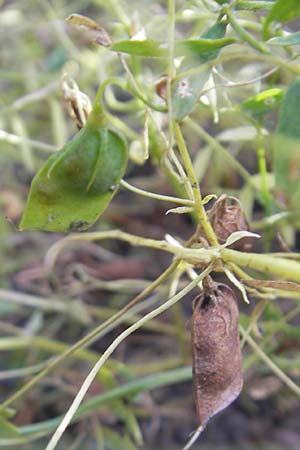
x,y
199,208
252,5
247,37
262,167
165,198
19,140
131,388
180,252
171,67
135,90
89,337
268,264
210,140
280,374
108,352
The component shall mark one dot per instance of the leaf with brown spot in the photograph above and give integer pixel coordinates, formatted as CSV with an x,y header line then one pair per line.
x,y
217,358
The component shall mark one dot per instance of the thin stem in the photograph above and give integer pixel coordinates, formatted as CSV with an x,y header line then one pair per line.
x,y
89,337
33,97
262,167
195,436
202,254
93,373
255,315
247,37
280,374
210,140
171,67
268,264
125,390
20,140
181,173
253,5
135,90
119,13
165,198
199,208
111,80
122,126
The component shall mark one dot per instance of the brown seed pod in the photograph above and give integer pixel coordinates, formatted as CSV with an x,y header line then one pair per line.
x,y
226,217
217,359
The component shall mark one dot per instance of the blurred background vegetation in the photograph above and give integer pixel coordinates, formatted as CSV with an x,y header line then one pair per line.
x,y
42,313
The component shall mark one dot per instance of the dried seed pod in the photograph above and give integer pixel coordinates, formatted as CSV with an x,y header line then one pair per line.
x,y
226,217
217,359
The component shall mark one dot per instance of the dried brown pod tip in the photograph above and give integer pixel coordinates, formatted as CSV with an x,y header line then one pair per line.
x,y
161,87
226,217
217,358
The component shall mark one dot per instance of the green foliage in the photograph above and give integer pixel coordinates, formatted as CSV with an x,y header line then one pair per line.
x,y
201,49
286,151
226,143
263,103
290,39
146,48
75,185
186,91
282,11
8,430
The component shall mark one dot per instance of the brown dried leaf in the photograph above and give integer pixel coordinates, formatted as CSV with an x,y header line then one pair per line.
x,y
283,285
98,34
217,358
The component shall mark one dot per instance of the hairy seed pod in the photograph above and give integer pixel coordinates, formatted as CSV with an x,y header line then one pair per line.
x,y
217,359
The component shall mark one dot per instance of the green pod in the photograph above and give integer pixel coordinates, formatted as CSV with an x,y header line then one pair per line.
x,y
75,185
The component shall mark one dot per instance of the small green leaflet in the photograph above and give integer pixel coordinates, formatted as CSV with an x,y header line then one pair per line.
x,y
147,48
287,148
290,39
75,185
200,48
281,11
264,102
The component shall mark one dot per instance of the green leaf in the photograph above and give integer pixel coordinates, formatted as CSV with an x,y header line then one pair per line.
x,y
7,429
190,47
75,185
147,48
282,11
264,102
186,91
201,47
287,148
291,39
7,413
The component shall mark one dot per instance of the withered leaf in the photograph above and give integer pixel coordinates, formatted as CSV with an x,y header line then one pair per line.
x,y
274,284
227,217
97,33
217,358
